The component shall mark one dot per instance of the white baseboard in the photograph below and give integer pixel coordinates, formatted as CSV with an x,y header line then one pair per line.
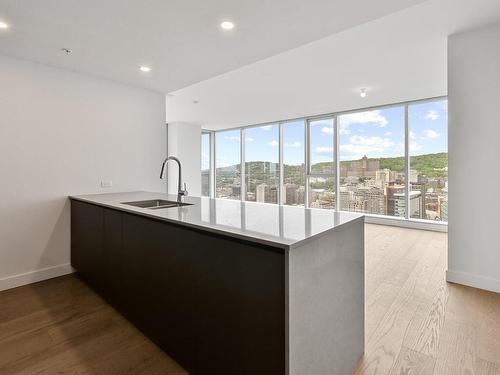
x,y
407,223
34,276
476,281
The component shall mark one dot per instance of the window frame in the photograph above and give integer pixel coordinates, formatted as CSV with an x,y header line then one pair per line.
x,y
211,158
427,224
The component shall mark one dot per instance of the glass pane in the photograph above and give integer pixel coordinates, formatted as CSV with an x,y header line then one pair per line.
x,y
321,146
321,192
428,125
293,163
205,164
372,162
227,164
262,163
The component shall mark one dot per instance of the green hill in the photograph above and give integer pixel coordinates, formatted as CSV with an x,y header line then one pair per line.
x,y
431,165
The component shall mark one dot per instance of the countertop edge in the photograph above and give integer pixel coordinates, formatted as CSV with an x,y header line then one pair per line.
x,y
324,233
228,233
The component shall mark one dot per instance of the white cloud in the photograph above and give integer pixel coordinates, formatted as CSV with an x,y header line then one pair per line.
x,y
431,134
327,130
431,115
274,143
266,127
387,134
232,138
412,135
359,146
344,129
323,150
368,117
295,144
414,146
249,139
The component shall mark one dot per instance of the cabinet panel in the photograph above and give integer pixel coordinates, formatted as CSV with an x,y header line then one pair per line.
x,y
240,295
159,284
113,258
213,303
87,234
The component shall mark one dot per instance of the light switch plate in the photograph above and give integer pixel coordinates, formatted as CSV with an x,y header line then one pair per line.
x,y
106,183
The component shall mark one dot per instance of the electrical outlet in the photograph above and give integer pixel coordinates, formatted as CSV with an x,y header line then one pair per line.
x,y
106,183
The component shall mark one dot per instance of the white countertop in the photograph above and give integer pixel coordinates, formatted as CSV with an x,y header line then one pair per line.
x,y
269,224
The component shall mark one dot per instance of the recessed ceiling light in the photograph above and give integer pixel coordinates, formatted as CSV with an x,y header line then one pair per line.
x,y
362,93
3,25
227,25
145,69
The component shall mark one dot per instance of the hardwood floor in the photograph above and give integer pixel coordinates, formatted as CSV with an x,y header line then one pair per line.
x,y
60,326
416,323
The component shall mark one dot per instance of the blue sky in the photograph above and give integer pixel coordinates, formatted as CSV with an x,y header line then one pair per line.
x,y
375,133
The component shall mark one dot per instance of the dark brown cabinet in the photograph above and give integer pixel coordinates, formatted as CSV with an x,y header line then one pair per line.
x,y
213,303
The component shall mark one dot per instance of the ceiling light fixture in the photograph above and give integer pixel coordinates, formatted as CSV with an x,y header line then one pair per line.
x,y
227,25
363,93
3,25
67,51
145,69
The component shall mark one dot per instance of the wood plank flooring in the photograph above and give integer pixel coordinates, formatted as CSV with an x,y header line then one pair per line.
x,y
416,323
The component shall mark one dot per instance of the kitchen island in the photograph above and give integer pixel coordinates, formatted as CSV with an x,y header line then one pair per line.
x,y
229,287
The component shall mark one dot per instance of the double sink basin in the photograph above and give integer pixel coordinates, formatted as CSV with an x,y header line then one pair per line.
x,y
156,204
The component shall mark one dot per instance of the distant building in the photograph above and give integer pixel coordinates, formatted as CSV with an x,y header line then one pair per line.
x,y
369,200
364,167
266,194
422,188
290,191
396,201
261,192
443,209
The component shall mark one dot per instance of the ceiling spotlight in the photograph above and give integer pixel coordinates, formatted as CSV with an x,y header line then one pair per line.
x,y
67,51
3,25
362,93
145,69
227,25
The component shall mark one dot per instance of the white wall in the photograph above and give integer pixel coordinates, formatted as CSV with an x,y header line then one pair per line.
x,y
184,142
474,144
61,133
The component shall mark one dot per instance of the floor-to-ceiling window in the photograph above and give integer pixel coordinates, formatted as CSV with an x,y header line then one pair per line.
x,y
372,161
392,161
428,132
321,173
205,164
262,163
294,185
228,164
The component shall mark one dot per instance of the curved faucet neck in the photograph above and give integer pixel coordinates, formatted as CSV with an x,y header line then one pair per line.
x,y
179,182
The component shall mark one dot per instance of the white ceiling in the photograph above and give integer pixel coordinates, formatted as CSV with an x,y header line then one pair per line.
x,y
180,39
399,57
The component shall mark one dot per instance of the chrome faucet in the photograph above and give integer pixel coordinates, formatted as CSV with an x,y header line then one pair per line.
x,y
181,193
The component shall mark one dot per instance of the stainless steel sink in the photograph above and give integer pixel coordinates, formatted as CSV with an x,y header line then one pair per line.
x,y
155,204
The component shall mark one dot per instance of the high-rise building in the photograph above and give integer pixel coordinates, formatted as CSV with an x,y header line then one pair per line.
x,y
291,194
396,201
422,188
262,191
364,167
443,209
